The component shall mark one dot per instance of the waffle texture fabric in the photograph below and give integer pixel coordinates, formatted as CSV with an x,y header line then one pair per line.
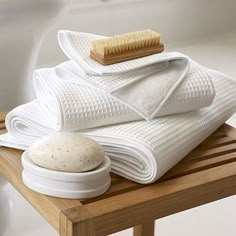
x,y
141,151
77,45
72,103
144,84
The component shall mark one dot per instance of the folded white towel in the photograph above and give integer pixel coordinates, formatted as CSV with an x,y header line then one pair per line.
x,y
71,102
144,84
141,151
77,46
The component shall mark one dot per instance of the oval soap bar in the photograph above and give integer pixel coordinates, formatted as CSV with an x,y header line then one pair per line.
x,y
66,152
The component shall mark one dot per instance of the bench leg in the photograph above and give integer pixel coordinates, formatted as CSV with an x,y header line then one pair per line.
x,y
145,229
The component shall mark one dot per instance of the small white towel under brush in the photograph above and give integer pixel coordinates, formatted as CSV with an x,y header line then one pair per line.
x,y
141,151
145,84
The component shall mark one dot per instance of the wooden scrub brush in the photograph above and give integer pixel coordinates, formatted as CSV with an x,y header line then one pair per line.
x,y
126,47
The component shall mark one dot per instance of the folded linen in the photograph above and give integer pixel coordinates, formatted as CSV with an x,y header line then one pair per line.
x,y
144,84
141,151
77,45
71,102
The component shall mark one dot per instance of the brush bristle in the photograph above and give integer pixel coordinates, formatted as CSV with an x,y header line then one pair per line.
x,y
126,42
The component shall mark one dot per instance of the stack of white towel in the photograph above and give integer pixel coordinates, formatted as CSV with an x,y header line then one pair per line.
x,y
148,113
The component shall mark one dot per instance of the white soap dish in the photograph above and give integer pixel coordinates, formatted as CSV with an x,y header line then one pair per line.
x,y
66,185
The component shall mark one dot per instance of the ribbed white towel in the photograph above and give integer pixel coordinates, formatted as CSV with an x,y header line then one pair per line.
x,y
70,102
144,84
141,151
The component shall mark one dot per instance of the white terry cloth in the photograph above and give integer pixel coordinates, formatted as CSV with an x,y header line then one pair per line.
x,y
71,103
143,84
143,151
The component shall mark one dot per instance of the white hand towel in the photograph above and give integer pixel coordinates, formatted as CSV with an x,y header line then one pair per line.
x,y
141,151
71,103
148,82
77,45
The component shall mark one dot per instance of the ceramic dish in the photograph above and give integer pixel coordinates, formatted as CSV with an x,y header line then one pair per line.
x,y
64,184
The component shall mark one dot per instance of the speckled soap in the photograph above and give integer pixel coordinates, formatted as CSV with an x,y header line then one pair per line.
x,y
66,165
67,152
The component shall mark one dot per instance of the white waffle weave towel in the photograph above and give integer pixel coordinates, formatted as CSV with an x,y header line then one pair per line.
x,y
141,151
70,102
144,84
77,45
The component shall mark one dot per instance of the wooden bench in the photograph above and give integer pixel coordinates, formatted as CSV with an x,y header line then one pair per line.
x,y
207,174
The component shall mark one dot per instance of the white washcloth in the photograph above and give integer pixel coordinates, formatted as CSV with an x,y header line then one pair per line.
x,y
143,84
141,151
70,102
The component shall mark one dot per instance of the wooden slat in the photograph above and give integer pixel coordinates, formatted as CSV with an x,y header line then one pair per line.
x,y
185,168
228,130
123,187
198,154
159,200
3,131
218,134
213,143
2,116
2,126
116,179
